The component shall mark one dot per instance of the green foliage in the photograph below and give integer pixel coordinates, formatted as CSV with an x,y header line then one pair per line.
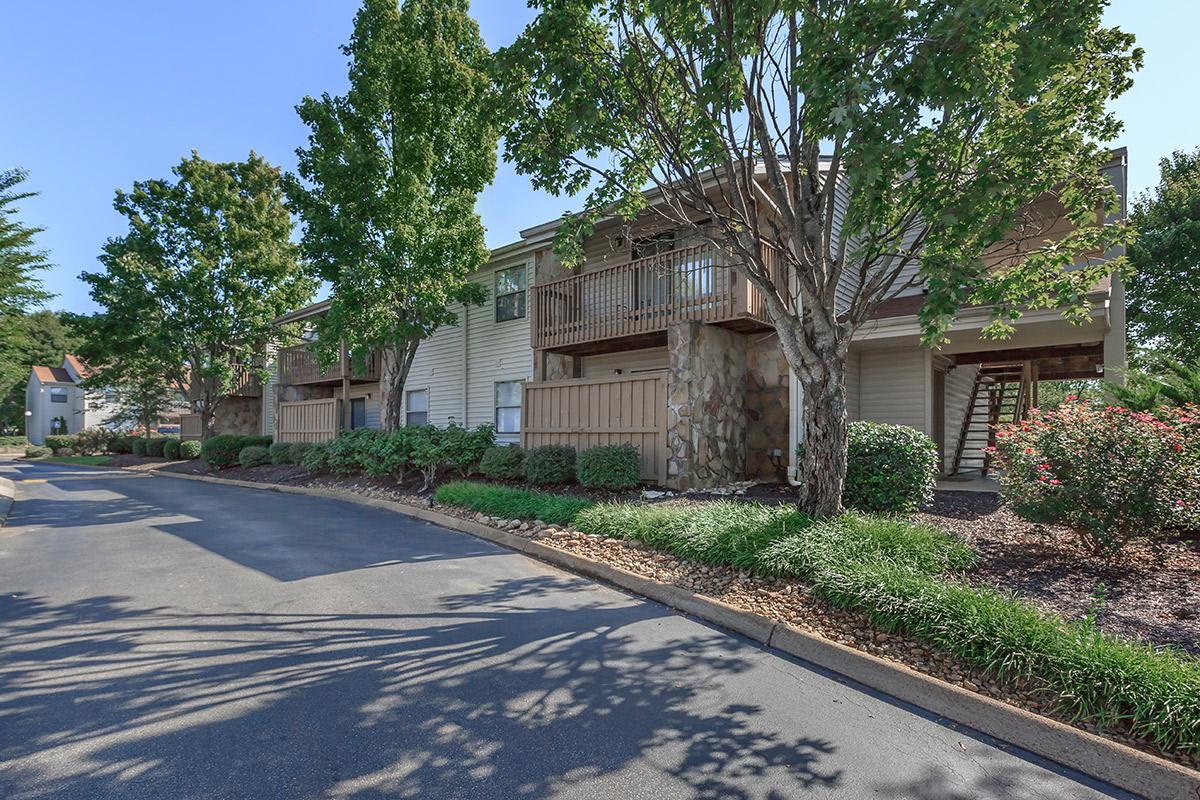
x,y
42,337
609,467
504,463
60,444
170,448
314,458
138,445
462,448
391,454
415,128
120,443
890,469
296,452
156,446
1164,307
427,453
350,452
281,452
550,465
12,441
254,440
1107,473
221,452
190,449
20,259
1162,381
34,451
93,441
254,456
189,292
509,503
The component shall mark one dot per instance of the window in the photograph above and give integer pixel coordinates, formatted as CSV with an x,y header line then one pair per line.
x,y
510,294
416,407
58,394
358,413
508,407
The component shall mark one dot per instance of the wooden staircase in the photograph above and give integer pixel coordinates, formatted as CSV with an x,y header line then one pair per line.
x,y
1001,393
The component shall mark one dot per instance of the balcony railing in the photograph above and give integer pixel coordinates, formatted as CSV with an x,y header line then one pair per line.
x,y
645,296
298,366
246,383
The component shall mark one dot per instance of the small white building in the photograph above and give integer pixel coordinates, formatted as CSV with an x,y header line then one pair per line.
x,y
57,403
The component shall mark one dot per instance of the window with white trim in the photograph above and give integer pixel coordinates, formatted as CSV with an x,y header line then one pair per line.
x,y
510,293
416,408
58,394
508,406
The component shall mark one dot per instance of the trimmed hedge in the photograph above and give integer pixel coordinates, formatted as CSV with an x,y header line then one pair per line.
x,y
281,452
296,452
171,449
614,466
120,445
34,451
504,463
138,446
509,503
156,446
890,469
550,465
221,452
254,456
60,443
254,440
189,449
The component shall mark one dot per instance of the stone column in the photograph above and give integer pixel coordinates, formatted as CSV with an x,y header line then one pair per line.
x,y
706,406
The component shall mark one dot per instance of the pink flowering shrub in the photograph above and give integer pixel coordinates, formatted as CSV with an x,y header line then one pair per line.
x,y
1108,473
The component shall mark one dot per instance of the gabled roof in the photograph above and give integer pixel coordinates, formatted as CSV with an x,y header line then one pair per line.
x,y
52,375
72,361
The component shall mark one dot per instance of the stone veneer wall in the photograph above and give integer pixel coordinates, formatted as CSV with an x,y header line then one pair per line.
x,y
706,406
766,406
241,416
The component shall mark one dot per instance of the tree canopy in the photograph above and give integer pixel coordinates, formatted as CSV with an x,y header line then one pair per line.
x,y
1162,294
388,182
20,260
194,284
40,337
875,148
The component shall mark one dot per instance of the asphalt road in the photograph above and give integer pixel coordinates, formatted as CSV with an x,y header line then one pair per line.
x,y
173,639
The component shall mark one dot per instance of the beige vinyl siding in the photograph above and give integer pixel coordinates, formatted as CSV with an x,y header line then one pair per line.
x,y
605,366
853,384
270,392
894,387
437,367
958,393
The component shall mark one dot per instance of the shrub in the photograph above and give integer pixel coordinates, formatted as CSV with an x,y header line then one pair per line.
x,y
390,454
281,452
613,466
509,503
427,452
296,451
13,441
221,452
171,449
60,444
550,464
138,446
120,444
1107,473
351,452
463,448
156,446
254,440
33,451
504,463
315,458
189,449
93,441
890,469
254,456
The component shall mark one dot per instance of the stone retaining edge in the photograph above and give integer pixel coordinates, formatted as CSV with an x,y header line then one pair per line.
x,y
1112,762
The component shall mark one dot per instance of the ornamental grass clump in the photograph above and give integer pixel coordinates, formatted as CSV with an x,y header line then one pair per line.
x,y
1107,473
510,503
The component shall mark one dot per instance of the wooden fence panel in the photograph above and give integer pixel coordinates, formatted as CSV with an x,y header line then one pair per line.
x,y
308,420
627,409
190,427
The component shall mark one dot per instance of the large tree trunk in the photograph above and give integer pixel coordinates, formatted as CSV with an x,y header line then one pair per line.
x,y
396,361
823,466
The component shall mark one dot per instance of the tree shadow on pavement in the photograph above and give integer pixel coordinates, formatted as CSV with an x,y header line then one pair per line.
x,y
497,695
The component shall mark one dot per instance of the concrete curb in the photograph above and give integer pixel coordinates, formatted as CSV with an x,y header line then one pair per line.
x,y
8,492
1114,763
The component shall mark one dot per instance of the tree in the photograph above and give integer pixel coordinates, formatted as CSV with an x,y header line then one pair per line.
x,y
935,122
193,286
41,337
138,391
390,177
19,258
1164,306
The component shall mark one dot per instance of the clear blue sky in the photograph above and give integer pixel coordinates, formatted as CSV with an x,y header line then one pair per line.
x,y
97,95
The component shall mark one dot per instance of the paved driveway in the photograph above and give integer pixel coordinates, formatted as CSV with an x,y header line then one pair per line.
x,y
173,639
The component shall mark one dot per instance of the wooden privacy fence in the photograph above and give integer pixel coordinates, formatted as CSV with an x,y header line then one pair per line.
x,y
308,420
190,427
626,409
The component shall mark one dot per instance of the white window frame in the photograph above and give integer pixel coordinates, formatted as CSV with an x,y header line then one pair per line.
x,y
496,405
408,412
59,391
524,293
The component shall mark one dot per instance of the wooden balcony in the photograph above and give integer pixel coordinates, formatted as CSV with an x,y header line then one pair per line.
x,y
633,304
246,383
298,366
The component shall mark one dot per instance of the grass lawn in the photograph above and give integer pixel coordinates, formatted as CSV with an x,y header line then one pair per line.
x,y
79,461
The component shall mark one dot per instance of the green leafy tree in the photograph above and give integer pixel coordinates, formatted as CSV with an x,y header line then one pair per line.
x,y
20,259
871,147
1159,380
41,337
1163,303
192,288
388,182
